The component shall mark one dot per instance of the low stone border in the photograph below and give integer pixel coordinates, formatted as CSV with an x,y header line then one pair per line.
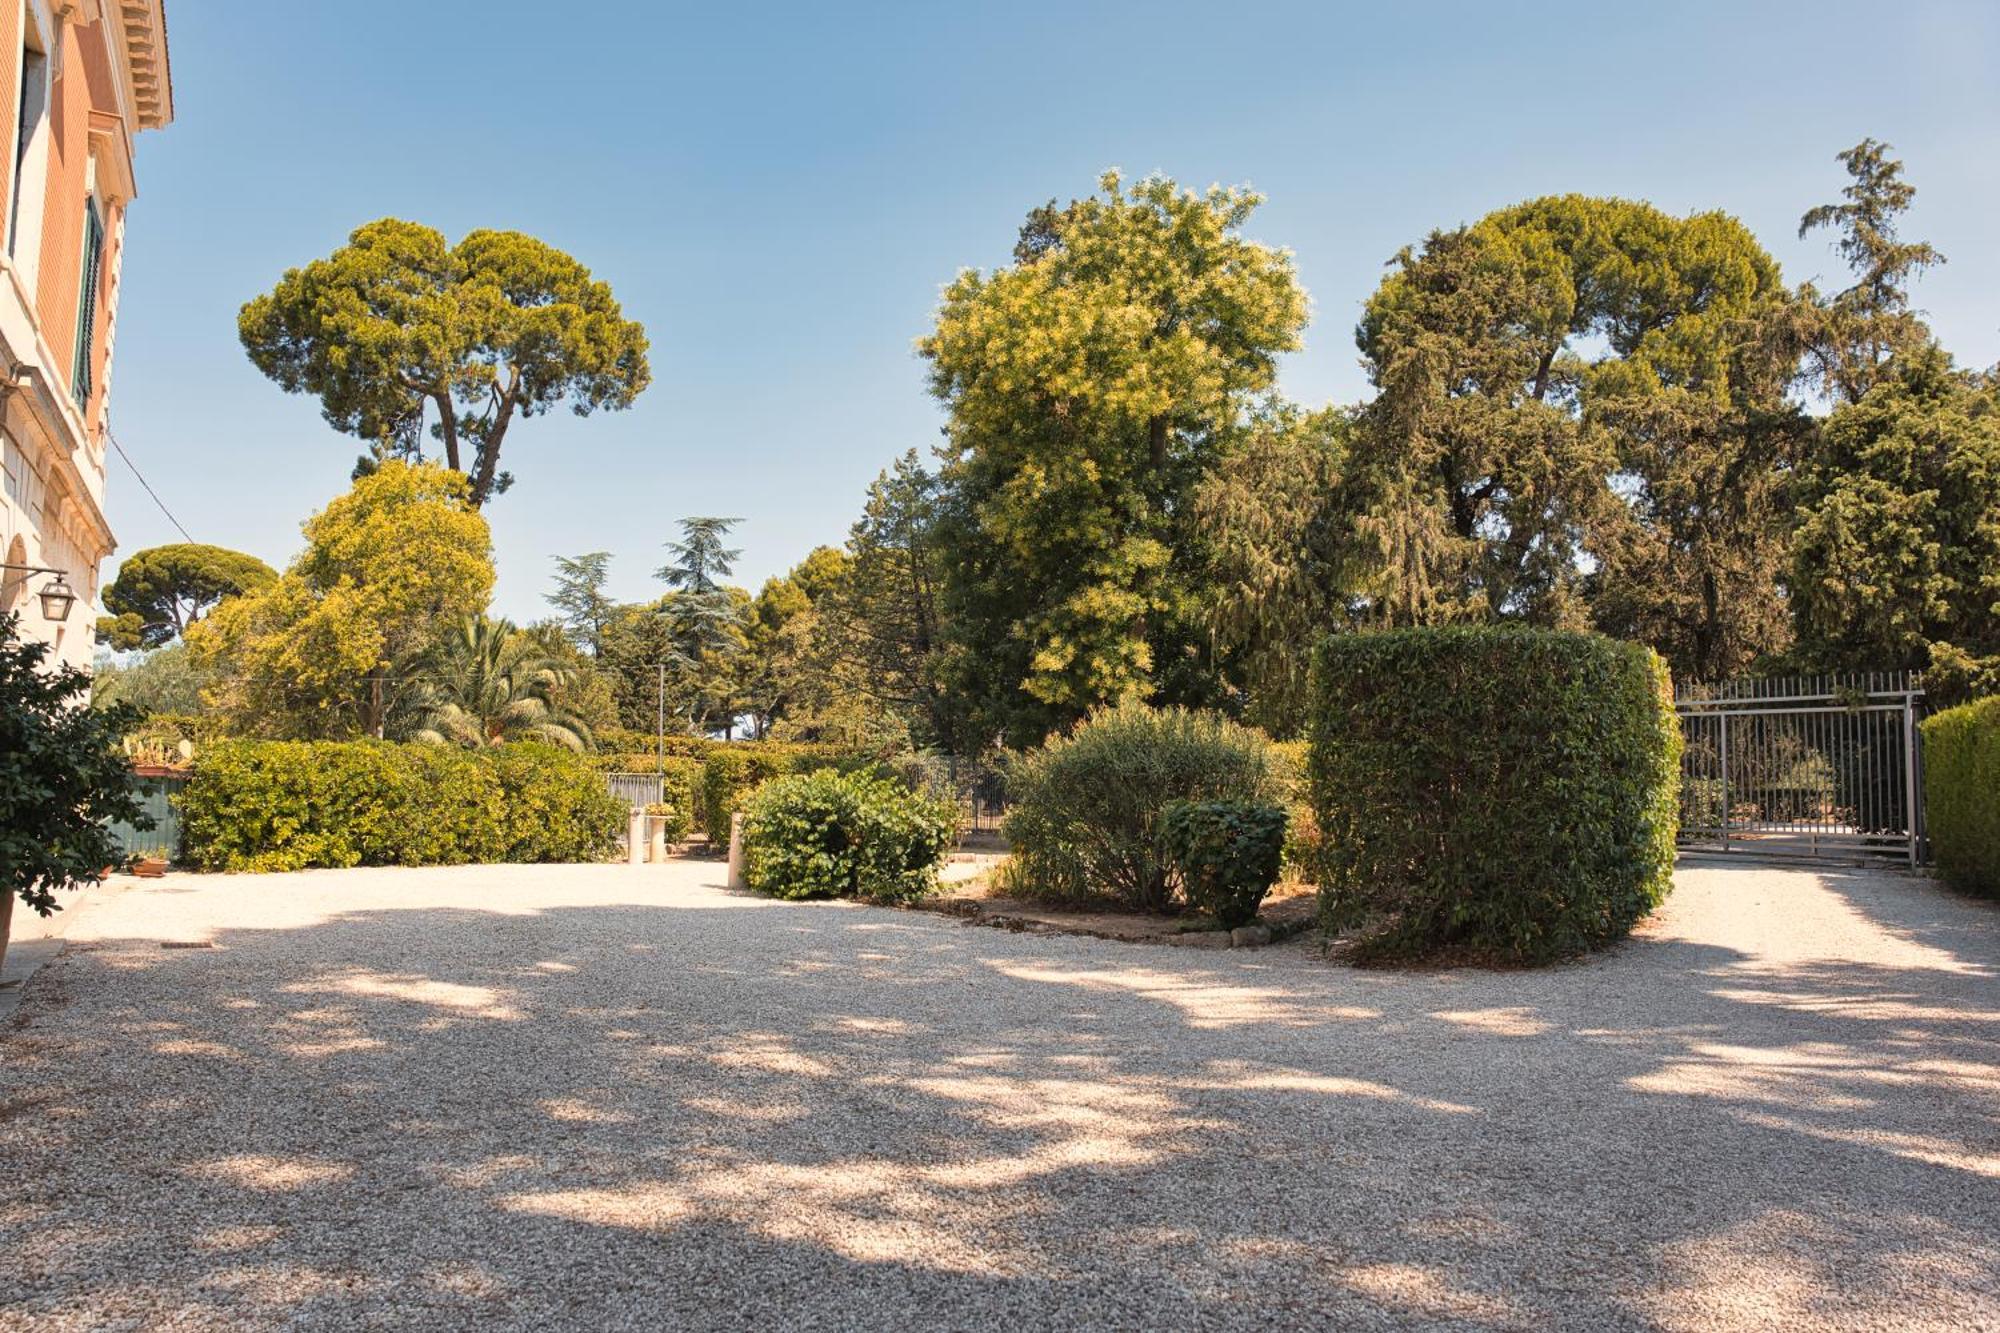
x,y
1011,914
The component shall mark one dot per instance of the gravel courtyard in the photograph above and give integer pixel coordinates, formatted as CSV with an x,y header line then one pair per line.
x,y
604,1097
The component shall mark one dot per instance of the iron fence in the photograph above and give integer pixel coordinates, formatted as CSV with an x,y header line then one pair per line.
x,y
1822,766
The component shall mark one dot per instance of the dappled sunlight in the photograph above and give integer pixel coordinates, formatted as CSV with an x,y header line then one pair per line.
x,y
1424,1290
1203,1001
1512,1021
470,1001
1906,1007
1239,1076
258,1171
1929,1149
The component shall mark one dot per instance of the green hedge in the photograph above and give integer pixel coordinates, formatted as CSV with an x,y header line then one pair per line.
x,y
1501,791
289,805
1962,795
732,771
1085,822
851,835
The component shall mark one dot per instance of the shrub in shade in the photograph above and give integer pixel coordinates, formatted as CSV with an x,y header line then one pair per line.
x,y
828,834
1962,795
1505,792
291,805
1085,822
1228,854
731,771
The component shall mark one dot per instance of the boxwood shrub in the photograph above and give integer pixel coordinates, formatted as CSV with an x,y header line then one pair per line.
x,y
1962,795
1503,792
850,835
1085,820
290,805
1228,854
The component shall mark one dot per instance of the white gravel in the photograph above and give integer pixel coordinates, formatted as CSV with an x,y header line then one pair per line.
x,y
605,1097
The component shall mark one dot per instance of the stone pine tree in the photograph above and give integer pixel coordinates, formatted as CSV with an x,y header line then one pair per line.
x,y
162,590
1867,325
1581,420
1089,386
403,337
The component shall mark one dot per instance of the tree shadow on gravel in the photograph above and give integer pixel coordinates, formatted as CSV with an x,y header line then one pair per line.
x,y
609,1114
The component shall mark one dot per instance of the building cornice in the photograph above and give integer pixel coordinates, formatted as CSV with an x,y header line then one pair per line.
x,y
139,36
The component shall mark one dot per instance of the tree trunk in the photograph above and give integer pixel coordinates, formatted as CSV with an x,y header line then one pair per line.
x,y
448,429
7,896
489,445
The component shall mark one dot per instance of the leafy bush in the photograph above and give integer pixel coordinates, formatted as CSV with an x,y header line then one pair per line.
x,y
289,805
1302,840
1962,795
1085,823
850,835
1227,852
63,779
1506,791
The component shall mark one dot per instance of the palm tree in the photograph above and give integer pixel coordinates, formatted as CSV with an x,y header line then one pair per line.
x,y
486,683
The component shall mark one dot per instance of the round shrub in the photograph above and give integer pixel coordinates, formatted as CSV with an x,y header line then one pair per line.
x,y
1228,854
827,834
1962,795
1085,822
1502,791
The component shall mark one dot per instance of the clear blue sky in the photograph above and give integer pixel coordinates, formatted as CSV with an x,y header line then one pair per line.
x,y
779,192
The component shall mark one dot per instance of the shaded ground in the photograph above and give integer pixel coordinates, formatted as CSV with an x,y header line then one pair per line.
x,y
602,1097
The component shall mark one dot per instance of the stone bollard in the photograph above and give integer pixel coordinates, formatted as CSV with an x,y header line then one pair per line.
x,y
736,878
656,842
635,837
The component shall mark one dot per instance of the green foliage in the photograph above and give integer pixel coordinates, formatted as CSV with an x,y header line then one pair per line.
x,y
289,805
387,566
63,775
1089,387
1896,561
848,835
166,680
1525,363
162,590
1228,854
486,683
1962,795
584,607
731,772
1281,557
1085,824
1861,330
396,324
1504,791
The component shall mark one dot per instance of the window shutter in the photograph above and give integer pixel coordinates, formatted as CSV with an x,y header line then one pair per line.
x,y
86,314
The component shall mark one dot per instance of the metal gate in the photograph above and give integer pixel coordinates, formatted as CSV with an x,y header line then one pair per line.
x,y
1819,767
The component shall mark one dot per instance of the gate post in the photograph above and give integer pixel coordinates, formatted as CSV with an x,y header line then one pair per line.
x,y
1723,719
1910,793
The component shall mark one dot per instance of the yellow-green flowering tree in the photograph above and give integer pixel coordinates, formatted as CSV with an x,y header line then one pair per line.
x,y
387,567
1089,387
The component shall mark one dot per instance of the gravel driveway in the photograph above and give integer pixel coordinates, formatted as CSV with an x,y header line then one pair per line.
x,y
606,1097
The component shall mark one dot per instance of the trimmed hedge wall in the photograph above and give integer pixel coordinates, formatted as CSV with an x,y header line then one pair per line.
x,y
290,805
1500,791
731,772
1962,795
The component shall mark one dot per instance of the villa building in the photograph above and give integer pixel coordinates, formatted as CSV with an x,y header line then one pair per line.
x,y
80,78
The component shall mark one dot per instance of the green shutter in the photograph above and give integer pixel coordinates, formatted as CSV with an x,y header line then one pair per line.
x,y
86,313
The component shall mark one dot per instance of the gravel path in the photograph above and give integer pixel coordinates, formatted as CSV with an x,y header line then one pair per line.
x,y
601,1097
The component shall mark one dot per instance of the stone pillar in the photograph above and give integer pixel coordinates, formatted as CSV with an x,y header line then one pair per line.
x,y
656,840
635,837
736,877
